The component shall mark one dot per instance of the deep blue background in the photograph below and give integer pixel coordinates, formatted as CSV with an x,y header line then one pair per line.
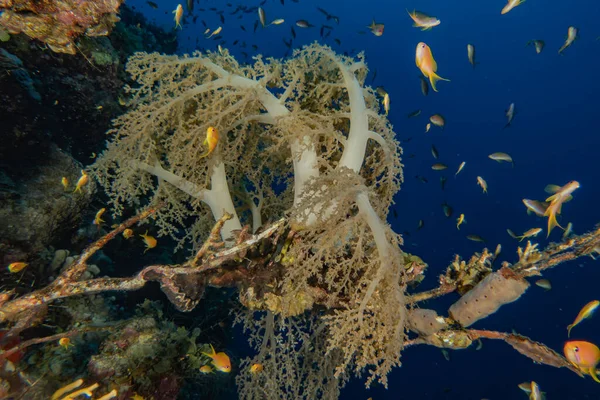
x,y
554,139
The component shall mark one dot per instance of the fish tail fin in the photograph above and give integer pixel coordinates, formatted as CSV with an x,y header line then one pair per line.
x,y
433,78
212,351
552,222
569,327
593,374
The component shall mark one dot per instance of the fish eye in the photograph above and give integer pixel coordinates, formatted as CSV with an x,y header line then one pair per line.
x,y
575,349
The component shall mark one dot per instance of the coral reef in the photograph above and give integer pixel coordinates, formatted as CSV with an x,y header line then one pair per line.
x,y
290,210
58,22
37,210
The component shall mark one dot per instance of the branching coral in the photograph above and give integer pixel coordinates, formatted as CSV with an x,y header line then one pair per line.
x,y
306,121
302,143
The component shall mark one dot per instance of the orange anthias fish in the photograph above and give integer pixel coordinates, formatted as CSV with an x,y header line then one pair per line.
x,y
583,355
510,5
427,65
98,219
561,195
220,360
586,312
178,14
16,267
536,207
82,181
212,139
256,368
571,36
422,20
149,240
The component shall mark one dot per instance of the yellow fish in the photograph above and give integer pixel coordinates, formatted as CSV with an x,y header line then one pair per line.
x,y
220,360
65,182
460,220
510,5
481,182
206,369
386,103
571,36
16,267
212,138
255,368
422,20
127,233
98,219
427,65
215,32
65,343
460,167
82,181
178,14
149,240
561,195
583,355
530,233
586,312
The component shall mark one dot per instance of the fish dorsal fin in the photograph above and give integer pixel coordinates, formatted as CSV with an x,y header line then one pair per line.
x,y
551,189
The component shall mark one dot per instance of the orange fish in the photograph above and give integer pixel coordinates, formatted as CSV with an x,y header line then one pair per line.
x,y
81,182
510,5
16,267
149,240
212,138
561,195
127,233
98,219
583,355
586,312
427,65
255,368
178,14
220,360
65,342
206,369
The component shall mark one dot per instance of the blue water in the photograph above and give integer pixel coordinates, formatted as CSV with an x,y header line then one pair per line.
x,y
554,138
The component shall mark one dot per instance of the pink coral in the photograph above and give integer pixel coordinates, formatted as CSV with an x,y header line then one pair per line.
x,y
58,22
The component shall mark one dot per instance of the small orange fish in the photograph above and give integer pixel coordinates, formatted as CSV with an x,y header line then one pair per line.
x,y
206,369
583,355
98,219
481,182
510,5
82,181
571,36
127,233
65,182
16,267
149,240
212,139
427,65
178,14
536,207
65,342
220,360
255,368
586,312
561,195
